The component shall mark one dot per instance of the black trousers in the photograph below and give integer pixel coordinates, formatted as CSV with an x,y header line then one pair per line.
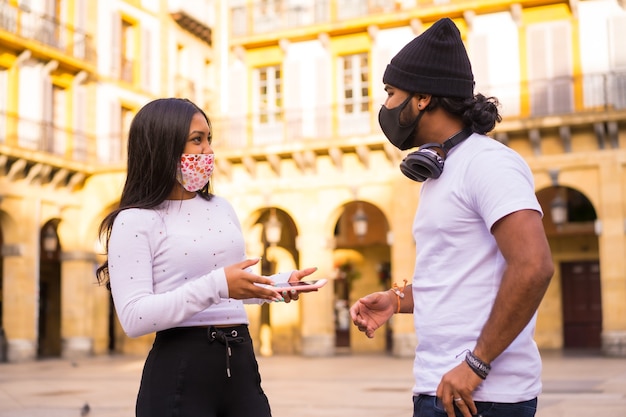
x,y
202,372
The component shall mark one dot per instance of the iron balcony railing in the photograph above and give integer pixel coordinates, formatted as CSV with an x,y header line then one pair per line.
x,y
261,17
46,30
538,99
339,123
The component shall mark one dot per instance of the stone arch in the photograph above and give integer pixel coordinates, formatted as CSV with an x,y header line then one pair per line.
x,y
573,306
275,327
362,264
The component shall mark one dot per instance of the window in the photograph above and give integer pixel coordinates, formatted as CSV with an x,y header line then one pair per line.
x,y
270,95
354,90
269,102
128,39
355,84
550,68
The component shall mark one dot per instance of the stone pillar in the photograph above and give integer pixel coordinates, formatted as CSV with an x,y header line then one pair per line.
x,y
614,343
404,206
612,260
20,302
318,332
77,321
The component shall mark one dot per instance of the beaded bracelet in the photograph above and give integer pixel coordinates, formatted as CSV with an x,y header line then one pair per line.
x,y
479,367
399,293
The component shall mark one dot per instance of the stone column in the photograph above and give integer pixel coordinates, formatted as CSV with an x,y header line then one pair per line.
x,y
77,321
20,303
318,333
404,206
611,235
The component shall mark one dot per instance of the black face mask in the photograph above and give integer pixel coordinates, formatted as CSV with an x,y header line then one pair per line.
x,y
389,119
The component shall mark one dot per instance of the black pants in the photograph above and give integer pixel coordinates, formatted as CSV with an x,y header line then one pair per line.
x,y
189,373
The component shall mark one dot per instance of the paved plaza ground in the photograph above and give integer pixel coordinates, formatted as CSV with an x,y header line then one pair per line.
x,y
575,385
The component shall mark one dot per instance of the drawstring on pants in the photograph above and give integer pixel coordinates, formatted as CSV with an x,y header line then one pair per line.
x,y
225,338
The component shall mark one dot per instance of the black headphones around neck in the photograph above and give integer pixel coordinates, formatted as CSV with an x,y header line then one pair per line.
x,y
426,162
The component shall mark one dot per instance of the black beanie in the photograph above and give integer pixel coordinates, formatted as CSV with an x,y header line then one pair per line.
x,y
435,62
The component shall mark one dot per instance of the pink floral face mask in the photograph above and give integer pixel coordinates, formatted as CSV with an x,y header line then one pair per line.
x,y
195,170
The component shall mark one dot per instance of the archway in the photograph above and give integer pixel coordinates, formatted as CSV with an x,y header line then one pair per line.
x,y
49,332
362,264
273,235
572,226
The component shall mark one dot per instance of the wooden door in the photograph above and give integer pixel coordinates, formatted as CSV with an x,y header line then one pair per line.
x,y
582,305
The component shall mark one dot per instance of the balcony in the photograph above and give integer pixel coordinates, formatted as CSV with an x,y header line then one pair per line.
x,y
302,134
270,17
35,150
46,31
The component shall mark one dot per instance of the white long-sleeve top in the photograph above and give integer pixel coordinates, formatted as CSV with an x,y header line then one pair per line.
x,y
166,265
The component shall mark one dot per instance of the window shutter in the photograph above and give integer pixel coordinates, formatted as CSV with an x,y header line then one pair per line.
x,y
235,134
563,84
79,43
479,56
111,150
550,69
46,115
617,34
80,143
4,85
617,57
323,103
146,59
116,45
292,99
380,59
58,127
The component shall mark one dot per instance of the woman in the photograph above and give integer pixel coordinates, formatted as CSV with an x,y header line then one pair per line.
x,y
176,266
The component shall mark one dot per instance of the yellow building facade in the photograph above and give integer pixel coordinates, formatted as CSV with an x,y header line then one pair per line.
x,y
72,75
293,90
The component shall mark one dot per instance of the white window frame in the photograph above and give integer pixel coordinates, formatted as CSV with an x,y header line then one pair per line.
x,y
268,101
353,105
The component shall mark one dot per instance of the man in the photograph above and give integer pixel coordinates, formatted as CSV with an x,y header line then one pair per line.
x,y
483,262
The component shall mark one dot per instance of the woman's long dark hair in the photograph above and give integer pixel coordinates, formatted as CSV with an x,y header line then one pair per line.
x,y
156,140
479,113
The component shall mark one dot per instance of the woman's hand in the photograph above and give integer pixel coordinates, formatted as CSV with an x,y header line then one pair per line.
x,y
292,294
243,284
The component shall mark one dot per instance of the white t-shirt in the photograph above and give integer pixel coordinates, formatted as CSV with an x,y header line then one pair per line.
x,y
166,265
459,268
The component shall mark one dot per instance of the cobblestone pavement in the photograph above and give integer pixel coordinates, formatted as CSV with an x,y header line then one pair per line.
x,y
344,385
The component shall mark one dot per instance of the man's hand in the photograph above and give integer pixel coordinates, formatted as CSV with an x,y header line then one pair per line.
x,y
372,311
456,388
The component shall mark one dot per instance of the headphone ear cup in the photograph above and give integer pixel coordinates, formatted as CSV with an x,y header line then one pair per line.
x,y
422,164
